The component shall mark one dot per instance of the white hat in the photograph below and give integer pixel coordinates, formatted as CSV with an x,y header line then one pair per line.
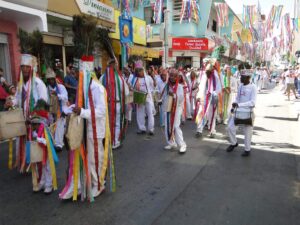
x,y
209,67
26,60
50,74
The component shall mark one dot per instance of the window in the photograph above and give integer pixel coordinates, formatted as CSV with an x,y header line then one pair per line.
x,y
148,11
4,57
214,26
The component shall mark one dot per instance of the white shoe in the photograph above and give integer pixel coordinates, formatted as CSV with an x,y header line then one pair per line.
x,y
69,194
182,149
39,188
169,147
96,192
48,190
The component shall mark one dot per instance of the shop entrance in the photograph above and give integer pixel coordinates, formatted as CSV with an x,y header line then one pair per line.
x,y
185,62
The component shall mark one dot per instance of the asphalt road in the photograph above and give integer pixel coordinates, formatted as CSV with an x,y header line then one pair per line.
x,y
205,186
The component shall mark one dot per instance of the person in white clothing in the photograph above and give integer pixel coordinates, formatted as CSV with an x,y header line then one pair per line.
x,y
290,83
209,89
97,93
144,83
60,94
174,97
245,101
161,84
38,90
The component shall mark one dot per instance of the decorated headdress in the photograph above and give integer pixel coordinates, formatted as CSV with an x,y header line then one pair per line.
x,y
138,64
246,73
50,73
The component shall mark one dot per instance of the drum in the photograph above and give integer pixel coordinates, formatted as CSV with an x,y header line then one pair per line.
x,y
244,116
129,98
74,132
139,97
36,152
53,104
12,124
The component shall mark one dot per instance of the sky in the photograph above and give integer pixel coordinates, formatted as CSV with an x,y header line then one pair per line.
x,y
266,5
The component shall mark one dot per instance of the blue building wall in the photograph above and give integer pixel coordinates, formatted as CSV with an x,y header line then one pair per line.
x,y
186,29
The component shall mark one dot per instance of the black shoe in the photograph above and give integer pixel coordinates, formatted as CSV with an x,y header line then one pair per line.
x,y
151,133
231,147
141,132
245,154
198,135
58,149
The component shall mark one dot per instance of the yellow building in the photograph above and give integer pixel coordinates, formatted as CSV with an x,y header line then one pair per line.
x,y
139,39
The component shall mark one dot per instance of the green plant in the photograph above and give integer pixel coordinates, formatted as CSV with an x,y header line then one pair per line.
x,y
31,43
84,29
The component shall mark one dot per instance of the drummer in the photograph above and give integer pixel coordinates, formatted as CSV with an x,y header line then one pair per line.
x,y
143,83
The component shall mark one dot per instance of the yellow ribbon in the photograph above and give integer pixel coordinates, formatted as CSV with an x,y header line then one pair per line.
x,y
75,174
51,160
10,154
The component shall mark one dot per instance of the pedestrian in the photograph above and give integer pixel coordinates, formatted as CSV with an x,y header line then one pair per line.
x,y
71,82
290,82
244,103
173,99
209,89
193,88
58,96
129,98
11,101
117,90
143,85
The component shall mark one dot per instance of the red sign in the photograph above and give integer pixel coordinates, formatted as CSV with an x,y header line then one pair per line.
x,y
190,44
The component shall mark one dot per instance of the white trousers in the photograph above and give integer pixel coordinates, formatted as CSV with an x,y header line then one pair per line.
x,y
178,139
129,111
91,159
46,179
118,125
188,106
141,112
211,121
60,132
231,129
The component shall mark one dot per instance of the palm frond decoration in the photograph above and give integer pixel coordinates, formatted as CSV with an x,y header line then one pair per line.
x,y
84,29
103,37
31,43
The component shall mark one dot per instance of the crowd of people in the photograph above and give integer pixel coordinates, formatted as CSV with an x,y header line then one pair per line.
x,y
209,95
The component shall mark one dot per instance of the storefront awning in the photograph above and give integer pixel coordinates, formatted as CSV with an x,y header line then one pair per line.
x,y
27,18
136,50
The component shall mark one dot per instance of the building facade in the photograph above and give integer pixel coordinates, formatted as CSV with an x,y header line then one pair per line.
x,y
188,42
15,14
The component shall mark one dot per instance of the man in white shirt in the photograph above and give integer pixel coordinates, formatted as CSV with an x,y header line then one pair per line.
x,y
60,94
98,105
38,90
209,89
144,83
290,82
175,94
245,100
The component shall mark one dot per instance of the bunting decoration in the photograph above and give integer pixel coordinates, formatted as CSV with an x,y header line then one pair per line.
x,y
274,18
190,9
158,11
248,15
222,14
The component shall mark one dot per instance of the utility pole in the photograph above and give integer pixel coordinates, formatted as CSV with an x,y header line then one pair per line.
x,y
166,40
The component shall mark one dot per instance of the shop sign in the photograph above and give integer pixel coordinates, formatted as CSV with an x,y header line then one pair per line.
x,y
190,44
96,9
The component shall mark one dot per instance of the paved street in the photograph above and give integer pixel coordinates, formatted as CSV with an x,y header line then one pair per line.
x,y
205,186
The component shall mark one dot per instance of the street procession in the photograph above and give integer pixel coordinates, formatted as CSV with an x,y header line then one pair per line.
x,y
149,112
